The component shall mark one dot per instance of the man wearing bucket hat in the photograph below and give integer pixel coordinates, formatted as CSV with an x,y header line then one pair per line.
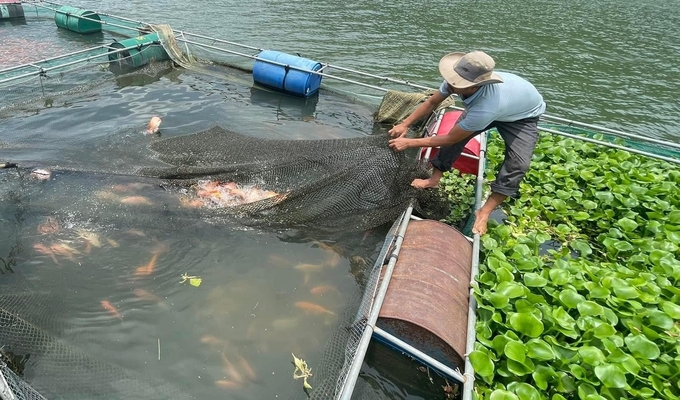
x,y
492,99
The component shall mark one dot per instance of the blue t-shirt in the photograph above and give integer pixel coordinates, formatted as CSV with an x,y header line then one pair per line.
x,y
512,100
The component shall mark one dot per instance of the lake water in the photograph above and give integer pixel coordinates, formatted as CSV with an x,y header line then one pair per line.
x,y
608,62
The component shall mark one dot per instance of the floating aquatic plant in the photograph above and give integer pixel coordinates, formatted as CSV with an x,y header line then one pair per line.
x,y
193,280
302,371
579,289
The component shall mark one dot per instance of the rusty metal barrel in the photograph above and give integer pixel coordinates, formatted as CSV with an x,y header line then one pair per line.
x,y
426,304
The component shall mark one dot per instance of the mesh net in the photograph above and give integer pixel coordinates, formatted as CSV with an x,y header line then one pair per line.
x,y
67,372
330,185
396,105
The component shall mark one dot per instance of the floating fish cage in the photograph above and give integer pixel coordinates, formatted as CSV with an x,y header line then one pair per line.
x,y
420,300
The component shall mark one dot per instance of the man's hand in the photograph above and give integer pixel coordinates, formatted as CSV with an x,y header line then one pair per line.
x,y
398,130
401,144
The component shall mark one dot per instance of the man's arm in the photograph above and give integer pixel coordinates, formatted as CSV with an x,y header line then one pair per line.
x,y
456,134
421,111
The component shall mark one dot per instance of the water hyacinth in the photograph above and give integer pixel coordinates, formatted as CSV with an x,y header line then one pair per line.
x,y
579,289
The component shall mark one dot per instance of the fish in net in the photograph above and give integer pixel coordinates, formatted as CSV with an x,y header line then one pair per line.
x,y
343,185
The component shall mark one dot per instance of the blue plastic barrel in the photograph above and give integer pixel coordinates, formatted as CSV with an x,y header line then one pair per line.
x,y
284,78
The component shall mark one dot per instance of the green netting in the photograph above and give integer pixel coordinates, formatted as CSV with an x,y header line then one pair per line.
x,y
396,106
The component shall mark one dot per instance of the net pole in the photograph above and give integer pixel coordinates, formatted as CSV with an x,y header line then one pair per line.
x,y
353,374
469,374
384,78
32,64
81,60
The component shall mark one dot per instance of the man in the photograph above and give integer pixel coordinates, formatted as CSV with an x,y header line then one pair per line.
x,y
501,100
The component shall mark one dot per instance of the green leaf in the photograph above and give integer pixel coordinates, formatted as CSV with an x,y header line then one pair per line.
x,y
627,224
563,229
539,350
526,324
526,392
604,331
515,350
499,394
511,289
589,204
563,318
630,364
489,243
558,204
542,375
673,310
570,298
504,275
590,308
581,246
559,276
591,355
521,368
625,292
599,293
621,245
641,347
611,376
586,175
498,300
482,364
585,390
196,282
674,217
532,279
660,319
605,197
581,216
499,343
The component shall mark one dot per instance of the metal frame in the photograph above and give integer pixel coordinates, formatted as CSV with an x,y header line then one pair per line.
x,y
5,391
353,374
468,387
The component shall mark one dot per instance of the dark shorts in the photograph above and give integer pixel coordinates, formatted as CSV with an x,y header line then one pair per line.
x,y
520,139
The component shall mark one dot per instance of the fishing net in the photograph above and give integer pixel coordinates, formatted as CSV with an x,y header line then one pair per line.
x,y
396,105
330,185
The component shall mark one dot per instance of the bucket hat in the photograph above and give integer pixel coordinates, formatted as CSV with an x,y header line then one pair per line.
x,y
463,70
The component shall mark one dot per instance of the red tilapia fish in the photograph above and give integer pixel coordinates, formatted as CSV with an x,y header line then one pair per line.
x,y
229,194
111,309
41,174
152,126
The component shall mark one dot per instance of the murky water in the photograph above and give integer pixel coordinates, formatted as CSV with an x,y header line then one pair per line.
x,y
110,251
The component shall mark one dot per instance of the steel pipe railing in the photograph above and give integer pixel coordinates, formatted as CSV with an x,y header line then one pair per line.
x,y
81,60
2,71
358,359
469,374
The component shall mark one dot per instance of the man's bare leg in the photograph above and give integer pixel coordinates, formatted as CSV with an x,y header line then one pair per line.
x,y
482,215
431,182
